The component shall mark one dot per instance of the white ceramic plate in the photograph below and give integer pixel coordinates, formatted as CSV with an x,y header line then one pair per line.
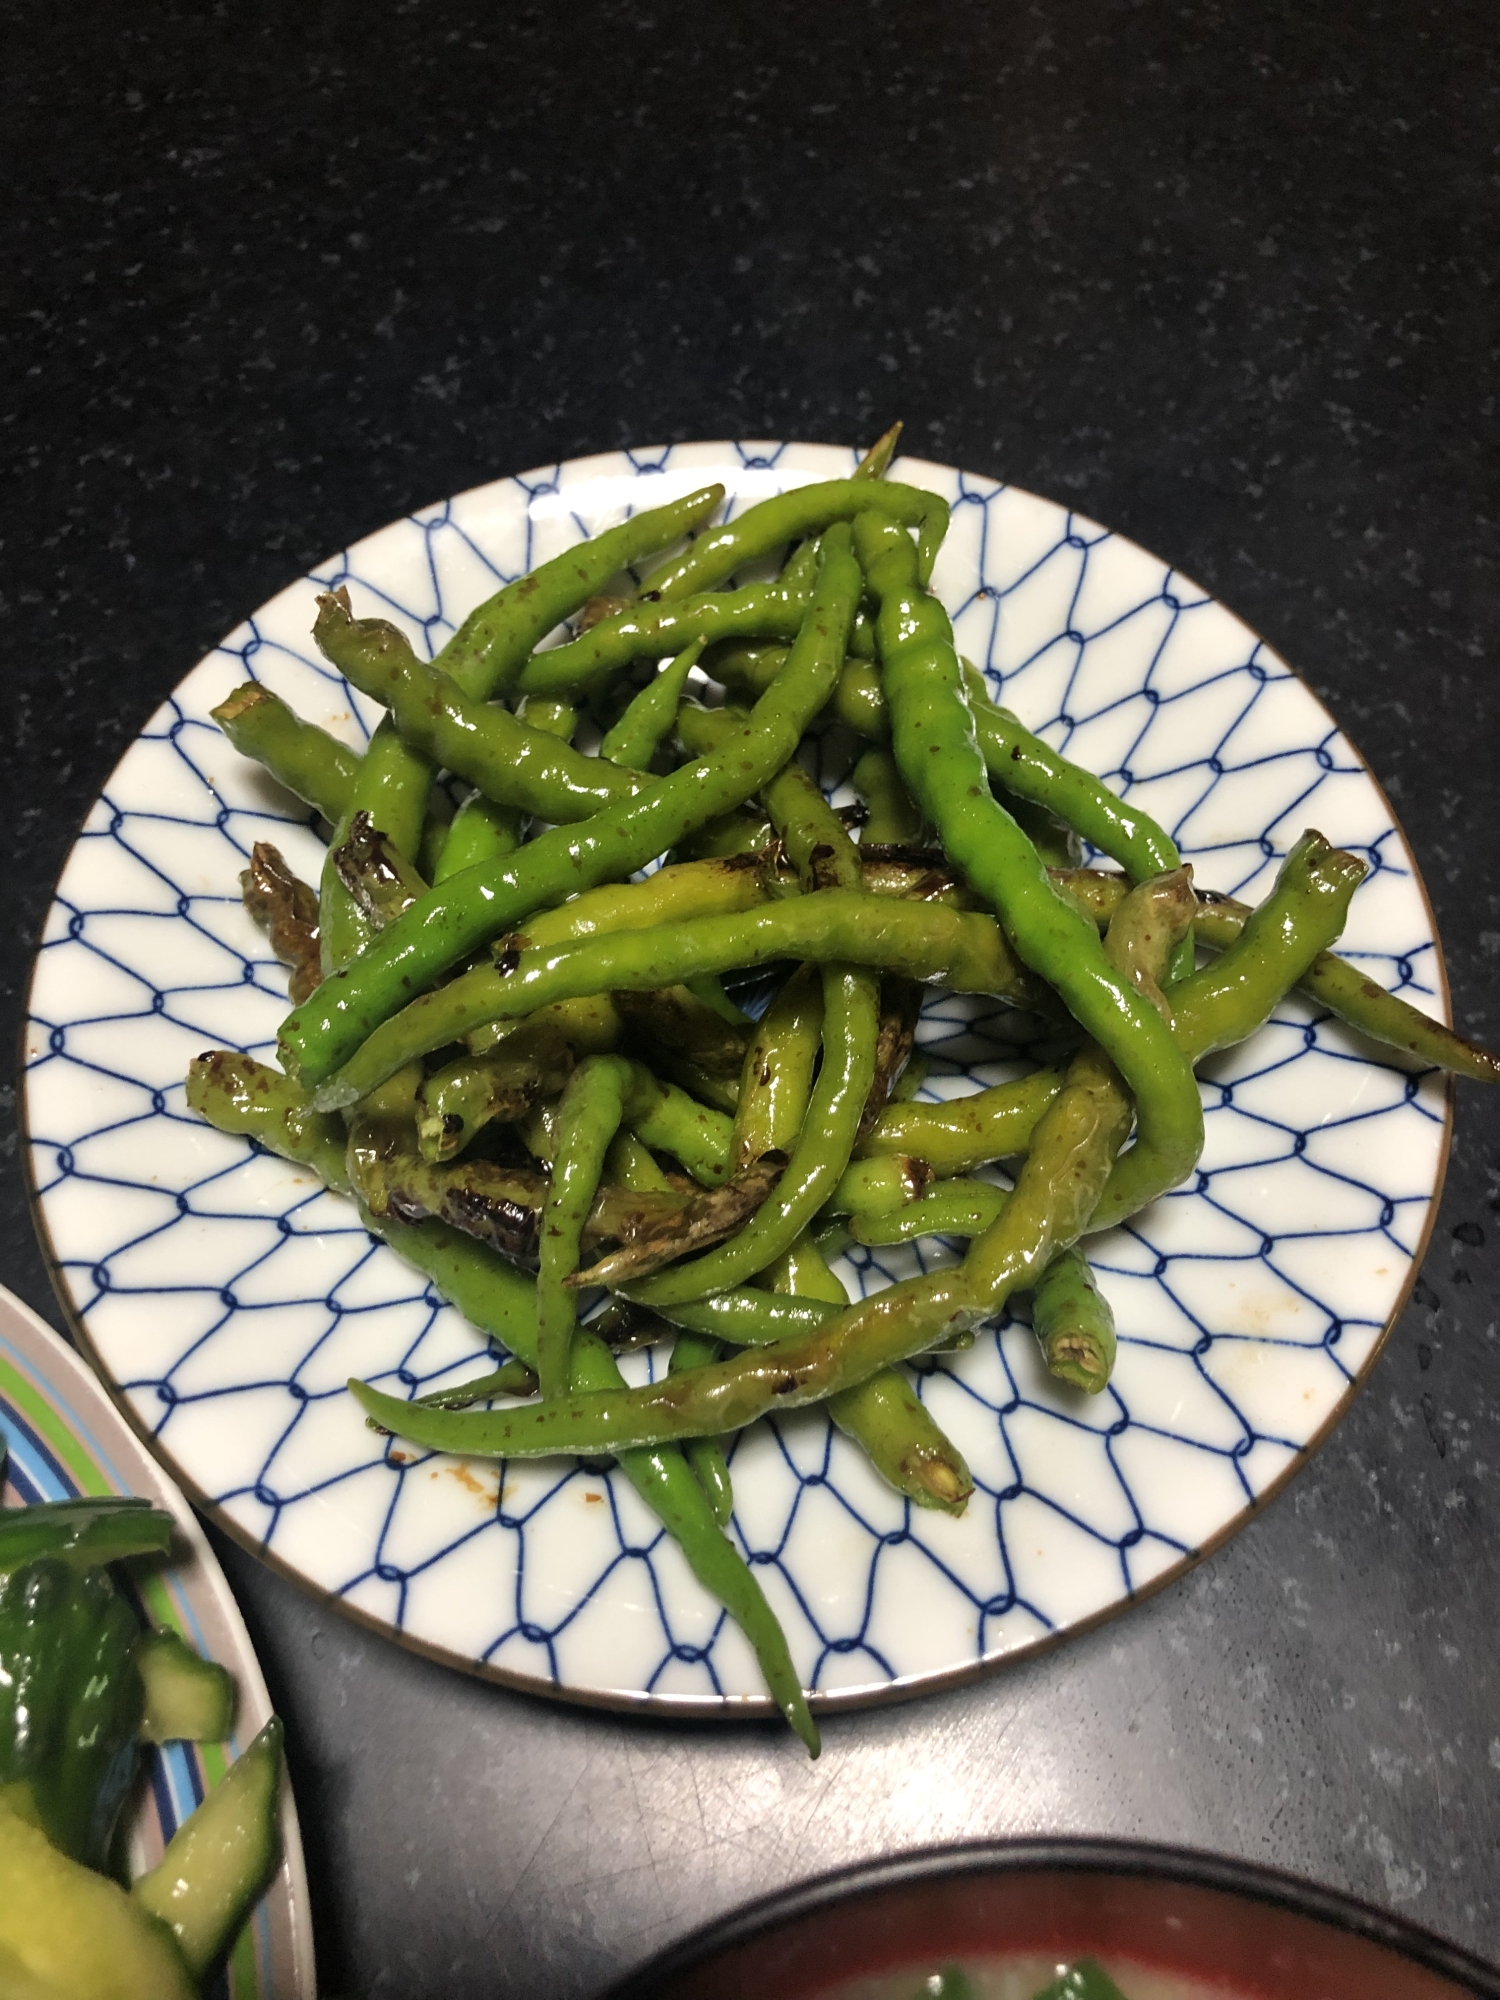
x,y
226,1298
63,1438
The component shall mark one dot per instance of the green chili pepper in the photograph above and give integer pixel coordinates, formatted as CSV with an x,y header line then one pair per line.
x,y
592,1025
1040,779
955,1207
900,1010
876,461
843,1351
435,831
904,1089
813,837
495,1088
705,1455
487,652
855,693
239,1095
1347,992
850,1022
1020,763
631,1165
867,1185
670,1485
649,629
709,1087
553,718
789,517
287,911
382,882
744,667
777,1077
670,1121
484,903
710,989
1073,1323
532,770
1071,1317
857,701
511,1378
298,754
478,832
894,818
647,722
884,1416
589,1117
1228,999
681,1026
663,1479
684,891
1056,843
924,941
1221,1004
1331,981
391,784
667,1484
746,1317
932,734
1071,1163
738,832
628,1234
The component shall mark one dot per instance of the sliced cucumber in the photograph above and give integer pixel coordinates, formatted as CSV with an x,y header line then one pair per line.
x,y
69,1934
218,1861
188,1699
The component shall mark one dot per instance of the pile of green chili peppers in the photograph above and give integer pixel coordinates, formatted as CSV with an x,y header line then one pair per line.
x,y
522,1057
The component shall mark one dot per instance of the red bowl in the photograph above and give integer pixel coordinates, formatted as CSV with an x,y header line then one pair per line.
x,y
1249,1933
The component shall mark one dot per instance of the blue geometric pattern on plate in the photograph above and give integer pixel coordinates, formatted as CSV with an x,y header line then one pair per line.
x,y
228,1297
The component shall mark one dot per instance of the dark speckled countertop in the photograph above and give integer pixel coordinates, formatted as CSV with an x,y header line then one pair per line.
x,y
1223,276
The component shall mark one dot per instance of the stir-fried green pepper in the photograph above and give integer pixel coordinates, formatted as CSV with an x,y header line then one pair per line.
x,y
932,734
491,899
824,857
647,722
512,762
1055,1199
602,1034
923,941
487,652
304,758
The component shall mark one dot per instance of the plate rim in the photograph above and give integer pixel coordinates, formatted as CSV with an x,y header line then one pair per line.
x,y
64,1370
736,1708
1059,1854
